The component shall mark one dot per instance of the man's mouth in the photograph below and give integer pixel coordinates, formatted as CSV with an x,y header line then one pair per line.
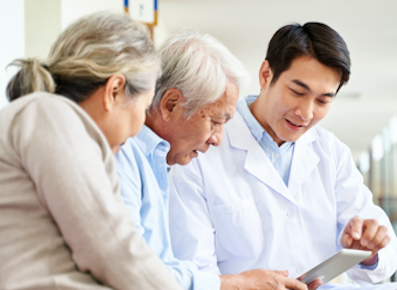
x,y
297,125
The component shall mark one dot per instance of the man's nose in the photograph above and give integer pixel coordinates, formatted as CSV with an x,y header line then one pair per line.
x,y
305,110
216,137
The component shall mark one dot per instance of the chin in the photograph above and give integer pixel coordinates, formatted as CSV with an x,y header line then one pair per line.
x,y
183,161
115,149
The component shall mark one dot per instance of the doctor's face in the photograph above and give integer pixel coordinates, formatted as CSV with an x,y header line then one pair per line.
x,y
196,133
298,100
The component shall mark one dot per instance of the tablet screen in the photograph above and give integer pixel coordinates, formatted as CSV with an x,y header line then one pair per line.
x,y
335,265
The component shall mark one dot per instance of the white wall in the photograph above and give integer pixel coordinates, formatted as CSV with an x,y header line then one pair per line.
x,y
74,9
12,41
161,33
45,19
42,26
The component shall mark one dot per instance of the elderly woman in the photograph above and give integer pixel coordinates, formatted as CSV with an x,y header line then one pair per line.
x,y
63,224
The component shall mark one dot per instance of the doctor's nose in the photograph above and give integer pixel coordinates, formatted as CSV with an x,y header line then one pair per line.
x,y
305,111
216,138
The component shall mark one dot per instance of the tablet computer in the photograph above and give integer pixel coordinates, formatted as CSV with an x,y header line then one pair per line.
x,y
335,265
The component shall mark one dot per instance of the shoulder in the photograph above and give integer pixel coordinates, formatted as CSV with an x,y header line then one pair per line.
x,y
130,160
325,137
59,108
52,111
51,118
40,100
328,143
43,105
128,154
321,135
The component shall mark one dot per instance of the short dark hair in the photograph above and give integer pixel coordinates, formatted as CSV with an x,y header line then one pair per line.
x,y
313,39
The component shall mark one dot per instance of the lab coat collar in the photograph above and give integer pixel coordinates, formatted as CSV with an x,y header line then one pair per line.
x,y
303,162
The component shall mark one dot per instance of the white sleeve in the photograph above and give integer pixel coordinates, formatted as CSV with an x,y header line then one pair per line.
x,y
191,229
354,198
74,174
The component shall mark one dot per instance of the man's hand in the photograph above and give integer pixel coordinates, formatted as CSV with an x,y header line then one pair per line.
x,y
365,235
260,279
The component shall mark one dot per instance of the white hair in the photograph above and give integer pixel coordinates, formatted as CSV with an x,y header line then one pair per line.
x,y
199,66
87,54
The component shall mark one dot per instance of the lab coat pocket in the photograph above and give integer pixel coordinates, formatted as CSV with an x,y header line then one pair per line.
x,y
238,228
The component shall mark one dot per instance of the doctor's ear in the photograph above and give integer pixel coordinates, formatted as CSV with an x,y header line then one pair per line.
x,y
265,74
171,103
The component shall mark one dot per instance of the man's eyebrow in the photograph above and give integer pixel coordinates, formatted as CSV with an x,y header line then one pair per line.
x,y
224,116
306,87
303,85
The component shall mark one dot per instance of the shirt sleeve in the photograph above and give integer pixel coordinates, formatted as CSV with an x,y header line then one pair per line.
x,y
354,198
130,184
72,167
185,272
191,228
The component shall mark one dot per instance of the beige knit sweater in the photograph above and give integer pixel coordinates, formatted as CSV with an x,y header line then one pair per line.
x,y
63,224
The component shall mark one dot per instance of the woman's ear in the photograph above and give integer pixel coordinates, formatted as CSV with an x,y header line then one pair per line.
x,y
171,103
114,91
265,75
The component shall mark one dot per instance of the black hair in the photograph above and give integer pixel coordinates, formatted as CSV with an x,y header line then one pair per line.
x,y
313,39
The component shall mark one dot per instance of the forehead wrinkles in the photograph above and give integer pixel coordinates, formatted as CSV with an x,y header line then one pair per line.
x,y
223,106
215,109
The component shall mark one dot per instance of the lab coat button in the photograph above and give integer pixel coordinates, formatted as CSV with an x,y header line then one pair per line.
x,y
291,214
276,156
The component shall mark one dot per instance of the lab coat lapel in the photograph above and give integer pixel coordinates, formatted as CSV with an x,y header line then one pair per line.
x,y
303,161
256,161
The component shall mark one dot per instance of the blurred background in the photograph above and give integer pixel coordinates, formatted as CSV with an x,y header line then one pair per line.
x,y
363,113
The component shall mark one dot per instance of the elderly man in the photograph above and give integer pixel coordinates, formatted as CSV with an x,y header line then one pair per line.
x,y
195,97
281,192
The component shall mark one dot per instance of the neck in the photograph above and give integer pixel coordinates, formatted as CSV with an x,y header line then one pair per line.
x,y
257,111
157,124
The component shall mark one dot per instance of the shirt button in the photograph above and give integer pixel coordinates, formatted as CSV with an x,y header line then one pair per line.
x,y
276,156
291,214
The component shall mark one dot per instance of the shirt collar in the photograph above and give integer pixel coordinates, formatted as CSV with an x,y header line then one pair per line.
x,y
253,124
148,141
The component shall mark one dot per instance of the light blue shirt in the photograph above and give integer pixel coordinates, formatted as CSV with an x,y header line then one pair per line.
x,y
143,172
280,157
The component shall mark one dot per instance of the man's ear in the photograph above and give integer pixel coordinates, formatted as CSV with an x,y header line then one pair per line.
x,y
114,91
171,103
265,75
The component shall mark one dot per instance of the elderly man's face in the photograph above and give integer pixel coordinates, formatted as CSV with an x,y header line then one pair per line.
x,y
195,134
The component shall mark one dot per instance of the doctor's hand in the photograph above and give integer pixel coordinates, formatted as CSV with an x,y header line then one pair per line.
x,y
260,279
365,235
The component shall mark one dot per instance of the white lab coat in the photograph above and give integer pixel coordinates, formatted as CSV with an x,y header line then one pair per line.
x,y
230,211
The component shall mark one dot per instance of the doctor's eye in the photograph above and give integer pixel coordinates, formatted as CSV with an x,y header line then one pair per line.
x,y
323,102
297,93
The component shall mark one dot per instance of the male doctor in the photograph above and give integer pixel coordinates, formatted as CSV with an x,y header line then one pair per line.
x,y
280,192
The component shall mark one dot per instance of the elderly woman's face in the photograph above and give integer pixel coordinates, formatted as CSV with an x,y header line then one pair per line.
x,y
129,116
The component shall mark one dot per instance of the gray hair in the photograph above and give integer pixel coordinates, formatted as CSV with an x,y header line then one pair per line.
x,y
199,66
87,54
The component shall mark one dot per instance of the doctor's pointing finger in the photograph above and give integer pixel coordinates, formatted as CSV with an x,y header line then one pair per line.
x,y
365,235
